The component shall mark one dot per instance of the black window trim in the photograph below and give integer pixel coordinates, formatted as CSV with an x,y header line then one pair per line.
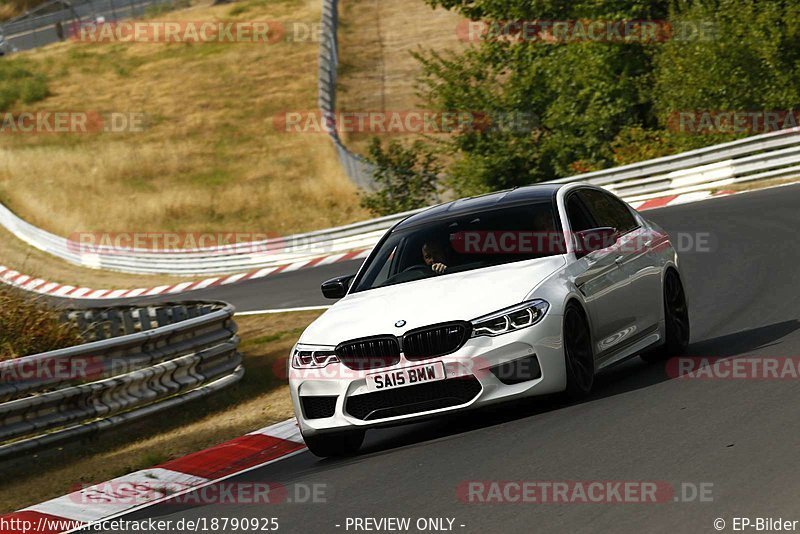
x,y
613,198
361,273
586,211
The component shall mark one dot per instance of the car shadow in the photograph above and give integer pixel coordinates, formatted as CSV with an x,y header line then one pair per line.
x,y
628,376
635,373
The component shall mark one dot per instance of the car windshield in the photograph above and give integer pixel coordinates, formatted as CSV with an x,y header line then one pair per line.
x,y
463,243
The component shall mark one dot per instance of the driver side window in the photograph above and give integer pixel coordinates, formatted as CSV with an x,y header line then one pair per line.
x,y
578,215
609,211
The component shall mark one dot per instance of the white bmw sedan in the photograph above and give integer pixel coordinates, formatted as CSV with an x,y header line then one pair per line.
x,y
518,293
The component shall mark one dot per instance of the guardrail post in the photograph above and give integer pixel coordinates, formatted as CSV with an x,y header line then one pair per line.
x,y
144,319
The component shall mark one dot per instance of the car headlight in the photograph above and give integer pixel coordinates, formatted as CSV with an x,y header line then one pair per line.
x,y
509,319
313,357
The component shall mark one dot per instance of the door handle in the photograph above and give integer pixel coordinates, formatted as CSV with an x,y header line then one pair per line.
x,y
619,260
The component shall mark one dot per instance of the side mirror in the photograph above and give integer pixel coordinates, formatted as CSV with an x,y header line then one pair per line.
x,y
593,239
336,288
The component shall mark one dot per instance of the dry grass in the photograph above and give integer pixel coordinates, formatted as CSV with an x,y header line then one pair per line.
x,y
209,159
376,39
18,255
759,184
260,399
13,8
8,11
27,327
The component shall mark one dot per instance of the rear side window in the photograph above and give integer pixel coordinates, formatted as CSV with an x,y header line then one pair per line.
x,y
608,210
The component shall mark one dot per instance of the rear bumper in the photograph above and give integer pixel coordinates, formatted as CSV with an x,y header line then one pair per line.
x,y
469,382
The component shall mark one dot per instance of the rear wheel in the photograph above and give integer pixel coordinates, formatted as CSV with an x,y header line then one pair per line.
x,y
337,444
676,321
578,353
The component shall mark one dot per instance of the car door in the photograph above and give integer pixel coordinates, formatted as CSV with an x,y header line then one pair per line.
x,y
601,281
639,313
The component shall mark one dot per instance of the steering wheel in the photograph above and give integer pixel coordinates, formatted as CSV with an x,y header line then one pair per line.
x,y
416,268
409,274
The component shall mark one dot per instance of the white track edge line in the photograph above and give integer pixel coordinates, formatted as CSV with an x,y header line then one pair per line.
x,y
283,310
184,492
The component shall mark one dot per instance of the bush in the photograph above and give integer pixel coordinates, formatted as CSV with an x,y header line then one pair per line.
x,y
18,83
27,326
581,94
636,144
406,178
600,104
750,62
33,89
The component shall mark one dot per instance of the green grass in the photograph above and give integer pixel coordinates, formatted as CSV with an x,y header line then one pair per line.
x,y
20,82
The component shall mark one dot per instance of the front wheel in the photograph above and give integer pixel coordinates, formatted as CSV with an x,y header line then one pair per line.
x,y
676,321
335,444
578,353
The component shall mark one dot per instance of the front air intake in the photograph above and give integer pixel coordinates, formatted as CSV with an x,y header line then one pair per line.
x,y
413,399
435,340
318,407
369,352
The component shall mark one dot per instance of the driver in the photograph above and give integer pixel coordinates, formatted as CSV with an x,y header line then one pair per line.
x,y
434,257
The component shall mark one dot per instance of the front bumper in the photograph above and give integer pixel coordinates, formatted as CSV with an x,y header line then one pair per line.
x,y
468,378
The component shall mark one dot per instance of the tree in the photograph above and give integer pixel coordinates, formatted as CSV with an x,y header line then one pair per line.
x,y
406,178
581,94
750,61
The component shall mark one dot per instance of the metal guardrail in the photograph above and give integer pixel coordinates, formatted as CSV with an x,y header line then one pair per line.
x,y
771,155
645,177
657,168
137,361
216,260
39,27
359,170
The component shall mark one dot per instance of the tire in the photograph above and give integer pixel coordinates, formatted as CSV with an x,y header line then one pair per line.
x,y
676,321
578,353
338,444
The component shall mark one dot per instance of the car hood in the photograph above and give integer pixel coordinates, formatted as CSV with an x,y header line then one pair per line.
x,y
459,296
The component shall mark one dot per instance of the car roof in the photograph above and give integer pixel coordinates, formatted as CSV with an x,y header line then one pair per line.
x,y
464,206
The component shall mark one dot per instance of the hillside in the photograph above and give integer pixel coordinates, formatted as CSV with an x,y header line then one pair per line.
x,y
377,70
209,157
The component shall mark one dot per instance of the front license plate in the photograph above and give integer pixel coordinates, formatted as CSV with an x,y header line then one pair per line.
x,y
408,376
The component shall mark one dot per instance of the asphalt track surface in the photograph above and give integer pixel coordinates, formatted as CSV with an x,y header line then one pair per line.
x,y
280,291
742,436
